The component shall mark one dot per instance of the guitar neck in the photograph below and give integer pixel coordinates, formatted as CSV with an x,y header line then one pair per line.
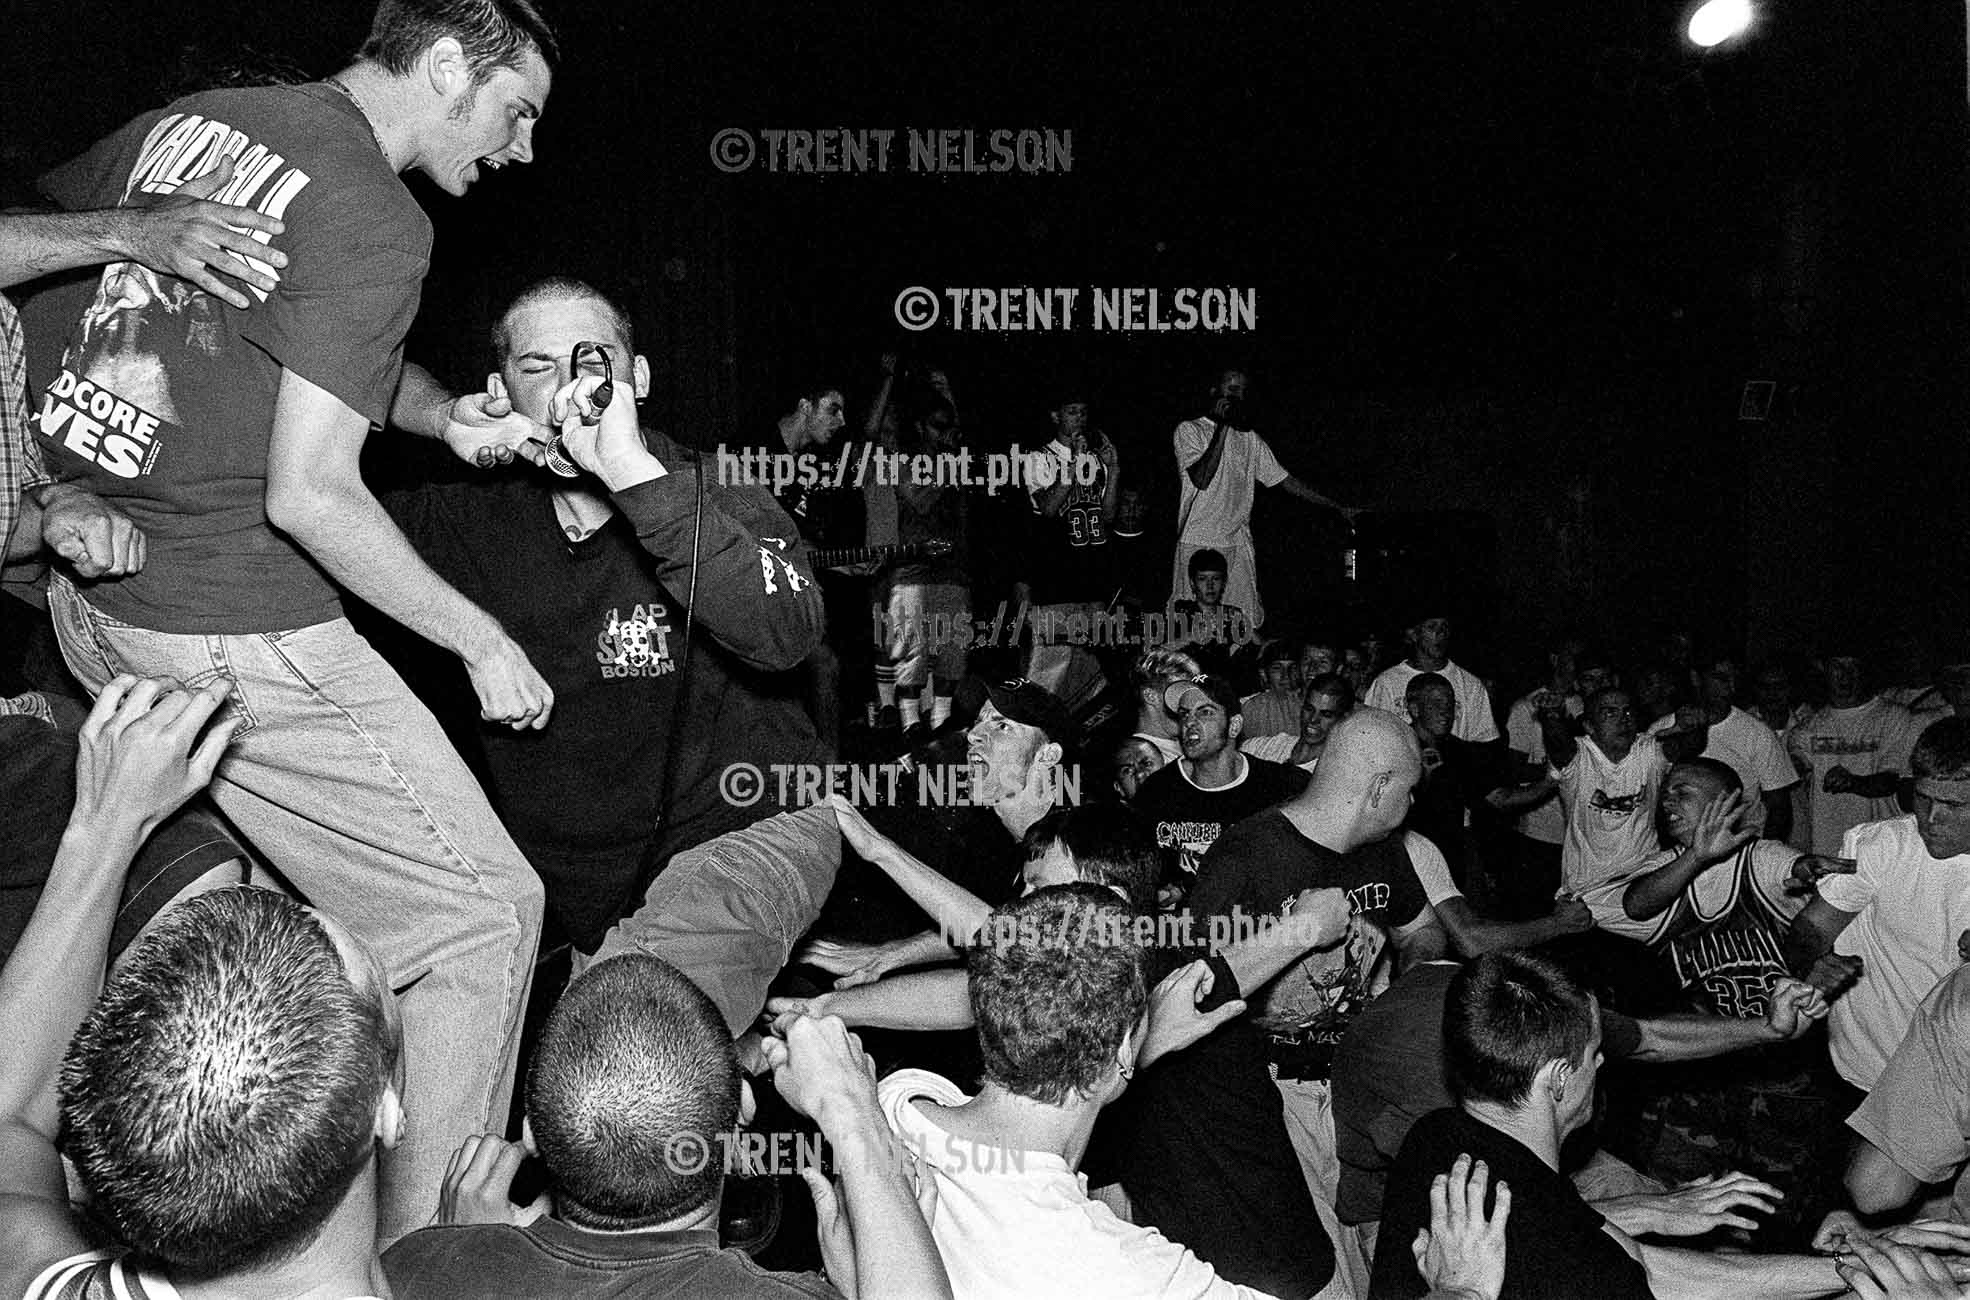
x,y
844,557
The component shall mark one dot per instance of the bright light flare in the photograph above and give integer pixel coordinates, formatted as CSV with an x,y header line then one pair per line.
x,y
1717,21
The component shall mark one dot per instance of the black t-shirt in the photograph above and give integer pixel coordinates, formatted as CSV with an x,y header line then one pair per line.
x,y
1555,1248
1259,866
166,395
1190,820
1463,774
1388,1074
1199,1143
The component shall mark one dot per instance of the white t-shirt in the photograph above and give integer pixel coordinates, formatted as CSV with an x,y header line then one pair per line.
x,y
1474,721
1222,512
1868,738
1749,748
1016,1223
1544,822
1610,812
1276,749
1911,908
1432,868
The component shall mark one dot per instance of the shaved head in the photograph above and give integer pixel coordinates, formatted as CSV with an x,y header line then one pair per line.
x,y
1362,784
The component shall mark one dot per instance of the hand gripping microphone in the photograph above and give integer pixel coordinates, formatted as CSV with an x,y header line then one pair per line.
x,y
556,457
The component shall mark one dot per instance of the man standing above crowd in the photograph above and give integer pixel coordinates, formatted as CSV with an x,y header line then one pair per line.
x,y
1429,652
1220,462
1852,754
232,440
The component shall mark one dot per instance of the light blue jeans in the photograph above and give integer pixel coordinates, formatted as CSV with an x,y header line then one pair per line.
x,y
349,788
727,913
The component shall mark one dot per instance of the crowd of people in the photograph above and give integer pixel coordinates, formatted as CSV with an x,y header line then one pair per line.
x,y
1241,959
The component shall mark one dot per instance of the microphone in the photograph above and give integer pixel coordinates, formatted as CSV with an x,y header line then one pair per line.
x,y
556,457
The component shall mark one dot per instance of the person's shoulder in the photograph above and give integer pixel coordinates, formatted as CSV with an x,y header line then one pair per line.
x,y
1165,780
1250,835
1948,1005
897,1093
1891,837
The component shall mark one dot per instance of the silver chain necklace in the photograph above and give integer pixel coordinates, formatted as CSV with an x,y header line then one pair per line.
x,y
350,95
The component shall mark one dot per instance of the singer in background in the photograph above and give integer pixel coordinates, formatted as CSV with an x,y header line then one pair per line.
x,y
652,787
1219,461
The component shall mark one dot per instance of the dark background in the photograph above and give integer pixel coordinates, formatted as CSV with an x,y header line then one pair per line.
x,y
1515,261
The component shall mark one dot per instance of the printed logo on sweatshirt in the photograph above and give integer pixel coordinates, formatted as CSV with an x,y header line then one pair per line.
x,y
637,645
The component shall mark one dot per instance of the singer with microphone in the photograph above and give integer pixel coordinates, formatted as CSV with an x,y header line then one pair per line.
x,y
1220,460
668,611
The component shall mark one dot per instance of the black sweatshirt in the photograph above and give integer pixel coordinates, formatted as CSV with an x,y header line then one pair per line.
x,y
603,621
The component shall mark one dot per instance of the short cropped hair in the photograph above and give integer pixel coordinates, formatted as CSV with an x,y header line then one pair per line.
x,y
1507,1014
1942,751
494,33
1422,682
1057,980
553,289
1722,773
1111,844
221,1096
1206,560
1328,684
632,1056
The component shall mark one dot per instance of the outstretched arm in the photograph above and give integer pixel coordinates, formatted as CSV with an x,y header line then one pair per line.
x,y
186,235
140,759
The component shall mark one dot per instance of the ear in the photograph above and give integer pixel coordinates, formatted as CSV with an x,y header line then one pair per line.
x,y
389,1128
1236,727
748,1107
1048,755
1376,785
496,384
1551,1081
639,369
446,67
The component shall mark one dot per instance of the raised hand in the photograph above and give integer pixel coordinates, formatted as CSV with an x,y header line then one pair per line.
x,y
1175,1022
1720,828
478,1183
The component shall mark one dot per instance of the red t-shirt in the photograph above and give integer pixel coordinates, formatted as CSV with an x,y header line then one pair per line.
x,y
165,399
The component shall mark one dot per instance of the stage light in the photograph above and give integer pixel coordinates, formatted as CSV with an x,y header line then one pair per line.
x,y
1717,21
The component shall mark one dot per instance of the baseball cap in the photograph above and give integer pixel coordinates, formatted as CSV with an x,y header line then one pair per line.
x,y
1210,687
1034,705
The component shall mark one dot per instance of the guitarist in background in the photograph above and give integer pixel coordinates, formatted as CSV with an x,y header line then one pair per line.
x,y
828,516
